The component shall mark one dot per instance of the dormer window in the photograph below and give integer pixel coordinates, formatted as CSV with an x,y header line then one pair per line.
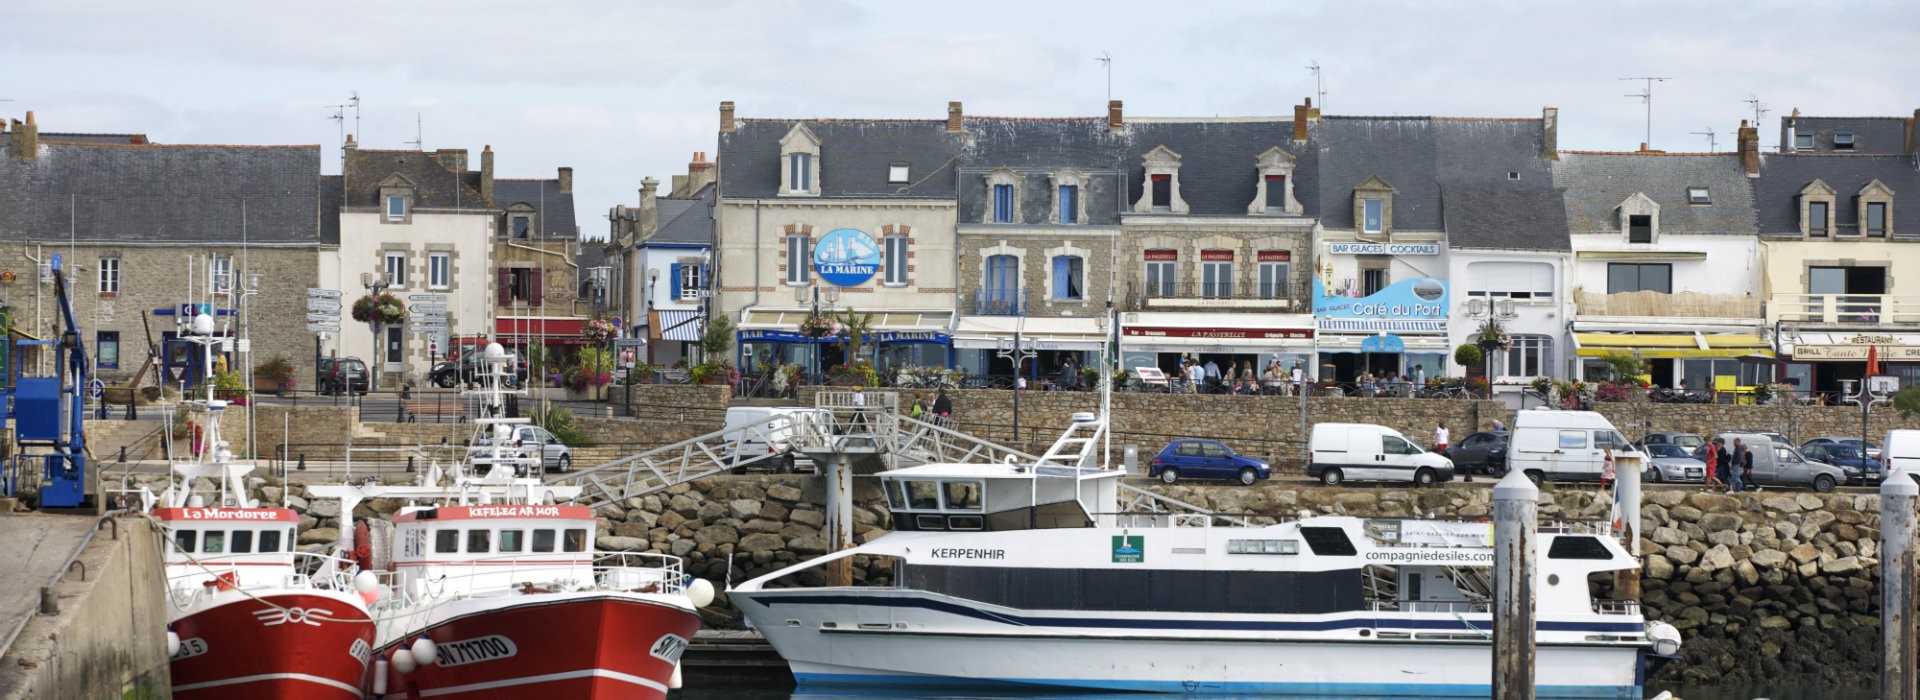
x,y
1698,195
1818,219
1640,218
1640,228
396,207
522,226
897,173
1068,206
1161,192
1003,197
1803,142
1373,215
1816,210
396,199
800,150
1373,207
1273,192
1875,210
1843,141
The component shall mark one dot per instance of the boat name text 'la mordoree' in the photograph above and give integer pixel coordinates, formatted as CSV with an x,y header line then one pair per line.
x,y
963,553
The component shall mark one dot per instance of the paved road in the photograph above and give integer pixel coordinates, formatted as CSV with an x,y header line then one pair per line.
x,y
37,546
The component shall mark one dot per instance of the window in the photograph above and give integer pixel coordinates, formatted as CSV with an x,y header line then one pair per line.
x,y
1510,280
1397,446
396,344
1069,277
221,275
1002,285
396,207
446,541
1069,204
688,279
1375,213
439,270
1216,273
897,173
1842,141
896,260
576,540
923,495
1698,195
1573,439
242,542
1163,191
269,541
1530,356
800,172
522,225
1161,273
184,540
1640,228
799,259
106,346
478,542
215,542
1003,204
1273,273
543,540
962,495
1803,142
109,275
1639,277
1876,219
396,269
1372,280
513,540
1276,193
519,285
1817,220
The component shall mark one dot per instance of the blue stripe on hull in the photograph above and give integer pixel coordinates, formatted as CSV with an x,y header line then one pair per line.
x,y
1341,691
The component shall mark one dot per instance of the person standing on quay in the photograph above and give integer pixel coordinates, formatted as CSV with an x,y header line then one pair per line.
x,y
1440,439
1735,469
942,409
1712,458
1746,469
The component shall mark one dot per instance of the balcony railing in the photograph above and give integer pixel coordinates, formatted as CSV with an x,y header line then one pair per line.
x,y
1856,309
1681,305
1154,295
1000,302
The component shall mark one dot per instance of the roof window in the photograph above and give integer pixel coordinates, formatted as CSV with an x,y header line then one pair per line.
x,y
1843,141
1698,195
897,173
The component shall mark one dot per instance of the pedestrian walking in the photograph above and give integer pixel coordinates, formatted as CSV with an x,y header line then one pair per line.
x,y
1606,469
1746,469
1712,457
1299,378
1725,462
1212,376
1736,469
1419,375
1196,375
942,409
859,406
1440,439
919,407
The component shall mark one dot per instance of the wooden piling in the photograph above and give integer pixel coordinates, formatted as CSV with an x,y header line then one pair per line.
x,y
1516,505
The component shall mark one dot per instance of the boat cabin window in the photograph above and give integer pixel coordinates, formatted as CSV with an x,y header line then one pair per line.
x,y
543,540
1578,548
185,540
1328,541
513,540
923,495
478,542
962,495
215,542
269,541
577,540
446,541
896,498
242,542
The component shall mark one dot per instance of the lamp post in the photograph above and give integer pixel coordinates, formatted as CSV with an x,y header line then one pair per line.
x,y
1496,311
375,284
813,353
1019,351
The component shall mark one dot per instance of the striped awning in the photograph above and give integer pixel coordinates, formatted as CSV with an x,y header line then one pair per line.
x,y
684,326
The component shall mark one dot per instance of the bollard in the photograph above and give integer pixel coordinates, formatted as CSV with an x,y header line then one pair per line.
x,y
1516,504
123,454
49,603
409,464
303,462
1897,497
840,518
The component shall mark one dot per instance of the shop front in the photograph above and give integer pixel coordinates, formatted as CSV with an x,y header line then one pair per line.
x,y
1705,361
1401,329
979,340
1165,340
896,339
1830,362
520,331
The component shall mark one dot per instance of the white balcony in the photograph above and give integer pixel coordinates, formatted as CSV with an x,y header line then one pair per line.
x,y
1844,309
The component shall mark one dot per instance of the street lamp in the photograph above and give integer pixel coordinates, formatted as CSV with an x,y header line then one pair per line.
x,y
1019,351
1496,311
375,284
833,297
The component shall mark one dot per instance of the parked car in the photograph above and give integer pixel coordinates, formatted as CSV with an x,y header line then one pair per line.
x,y
1485,453
1563,445
1873,449
340,375
1670,462
1206,459
532,441
1364,452
1902,453
775,438
1775,464
1771,436
1861,470
467,370
1687,441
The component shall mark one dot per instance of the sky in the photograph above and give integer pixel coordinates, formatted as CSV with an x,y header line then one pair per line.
x,y
623,90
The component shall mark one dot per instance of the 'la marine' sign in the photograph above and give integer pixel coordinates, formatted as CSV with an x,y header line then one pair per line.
x,y
846,257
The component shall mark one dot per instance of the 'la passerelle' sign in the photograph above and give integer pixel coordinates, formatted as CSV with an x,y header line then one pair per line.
x,y
1383,248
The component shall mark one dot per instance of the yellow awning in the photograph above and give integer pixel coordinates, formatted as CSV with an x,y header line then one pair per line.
x,y
1718,345
1737,341
1616,340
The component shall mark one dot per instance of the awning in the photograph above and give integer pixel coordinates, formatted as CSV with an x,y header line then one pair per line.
x,y
1368,326
549,330
1671,345
1378,342
889,326
681,325
1070,333
1215,332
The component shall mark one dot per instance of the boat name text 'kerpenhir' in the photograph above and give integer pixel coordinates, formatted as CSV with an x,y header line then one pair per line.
x,y
959,553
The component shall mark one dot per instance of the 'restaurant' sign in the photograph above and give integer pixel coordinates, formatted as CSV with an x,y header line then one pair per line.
x,y
1222,333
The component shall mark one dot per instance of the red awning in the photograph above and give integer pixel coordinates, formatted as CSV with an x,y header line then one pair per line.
x,y
551,331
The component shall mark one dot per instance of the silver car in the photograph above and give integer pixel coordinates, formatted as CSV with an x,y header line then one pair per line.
x,y
532,441
1873,448
1673,463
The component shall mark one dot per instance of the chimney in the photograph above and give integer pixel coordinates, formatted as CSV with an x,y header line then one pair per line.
x,y
1550,133
1749,140
1115,121
566,180
1303,114
350,144
26,139
486,174
454,159
649,209
700,173
953,117
726,117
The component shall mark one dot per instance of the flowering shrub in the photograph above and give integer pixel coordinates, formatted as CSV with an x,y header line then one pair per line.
x,y
1619,391
599,331
386,308
819,326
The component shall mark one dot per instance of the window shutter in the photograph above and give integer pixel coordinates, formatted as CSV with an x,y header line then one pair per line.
x,y
673,280
706,282
503,287
533,287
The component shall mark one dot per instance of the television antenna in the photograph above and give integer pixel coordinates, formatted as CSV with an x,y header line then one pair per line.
x,y
1646,97
1712,144
1106,60
1319,83
417,140
340,115
1759,108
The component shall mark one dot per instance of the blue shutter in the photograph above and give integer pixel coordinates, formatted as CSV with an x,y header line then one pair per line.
x,y
673,280
706,281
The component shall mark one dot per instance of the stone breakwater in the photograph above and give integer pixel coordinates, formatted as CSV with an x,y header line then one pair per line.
x,y
1780,587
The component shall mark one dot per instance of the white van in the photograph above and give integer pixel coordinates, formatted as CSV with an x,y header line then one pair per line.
x,y
1365,452
1564,445
1900,450
774,439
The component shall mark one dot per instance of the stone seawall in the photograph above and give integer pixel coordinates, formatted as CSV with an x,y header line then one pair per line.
x,y
109,639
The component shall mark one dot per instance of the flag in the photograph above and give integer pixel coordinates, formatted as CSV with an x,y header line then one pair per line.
x,y
1873,360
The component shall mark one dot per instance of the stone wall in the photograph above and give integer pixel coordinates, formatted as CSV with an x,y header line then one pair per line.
x,y
109,638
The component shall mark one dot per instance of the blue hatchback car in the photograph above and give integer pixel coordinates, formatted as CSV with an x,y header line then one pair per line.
x,y
1206,459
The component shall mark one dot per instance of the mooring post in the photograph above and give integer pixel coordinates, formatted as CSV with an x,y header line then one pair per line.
x,y
1897,497
1516,505
840,517
1626,516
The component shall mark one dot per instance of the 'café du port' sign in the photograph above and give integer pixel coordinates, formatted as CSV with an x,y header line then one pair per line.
x,y
846,257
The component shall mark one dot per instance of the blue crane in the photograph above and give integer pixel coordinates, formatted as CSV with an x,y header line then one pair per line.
x,y
48,411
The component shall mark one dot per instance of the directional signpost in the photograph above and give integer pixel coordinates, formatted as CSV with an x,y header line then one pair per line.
x,y
323,310
429,314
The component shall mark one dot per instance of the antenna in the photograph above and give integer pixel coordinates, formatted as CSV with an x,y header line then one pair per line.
x,y
1712,145
1319,84
1759,108
1106,59
1646,97
416,133
354,102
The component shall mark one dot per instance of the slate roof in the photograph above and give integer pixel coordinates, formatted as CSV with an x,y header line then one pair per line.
x,y
174,194
1218,176
1782,177
554,209
434,185
123,139
854,155
1035,149
1885,135
1399,150
1597,183
691,221
1497,189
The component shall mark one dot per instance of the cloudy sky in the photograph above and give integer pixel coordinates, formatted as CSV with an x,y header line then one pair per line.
x,y
621,90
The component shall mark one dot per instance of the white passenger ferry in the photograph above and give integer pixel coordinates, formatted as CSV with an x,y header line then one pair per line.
x,y
1024,575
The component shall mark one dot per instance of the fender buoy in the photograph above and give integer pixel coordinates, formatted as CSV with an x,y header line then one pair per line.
x,y
363,546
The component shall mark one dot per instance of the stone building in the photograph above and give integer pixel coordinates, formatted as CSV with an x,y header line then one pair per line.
x,y
143,228
659,254
537,275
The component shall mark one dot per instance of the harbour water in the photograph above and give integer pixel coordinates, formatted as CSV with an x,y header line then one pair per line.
x,y
785,693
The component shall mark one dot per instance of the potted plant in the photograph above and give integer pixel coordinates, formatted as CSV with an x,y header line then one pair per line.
x,y
275,375
385,309
229,386
592,370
